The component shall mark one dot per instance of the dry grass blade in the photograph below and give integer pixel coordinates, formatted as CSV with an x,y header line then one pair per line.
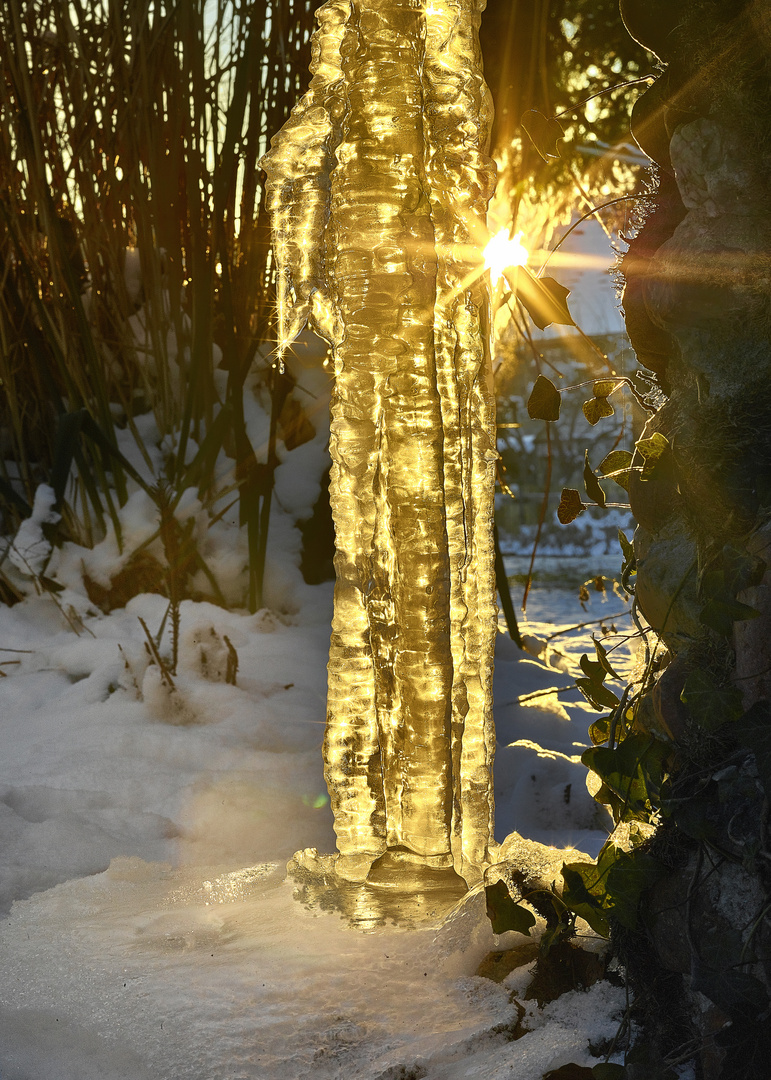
x,y
134,246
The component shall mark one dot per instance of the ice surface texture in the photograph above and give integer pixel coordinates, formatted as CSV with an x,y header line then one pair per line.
x,y
378,186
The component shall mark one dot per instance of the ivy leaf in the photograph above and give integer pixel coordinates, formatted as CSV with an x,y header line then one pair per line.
x,y
570,506
753,730
571,1071
593,669
504,914
651,451
595,408
544,133
602,657
720,615
598,696
741,570
599,406
616,467
630,875
544,401
599,731
710,705
609,1070
626,548
611,887
578,897
716,974
632,774
591,483
544,299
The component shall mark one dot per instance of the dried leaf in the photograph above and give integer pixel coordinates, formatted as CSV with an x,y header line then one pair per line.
x,y
544,401
544,132
570,507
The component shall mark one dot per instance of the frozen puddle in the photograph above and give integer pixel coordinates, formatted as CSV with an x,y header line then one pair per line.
x,y
143,971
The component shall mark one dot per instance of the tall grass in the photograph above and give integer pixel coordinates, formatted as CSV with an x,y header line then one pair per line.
x,y
134,245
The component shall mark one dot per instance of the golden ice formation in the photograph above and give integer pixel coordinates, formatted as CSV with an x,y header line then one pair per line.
x,y
378,188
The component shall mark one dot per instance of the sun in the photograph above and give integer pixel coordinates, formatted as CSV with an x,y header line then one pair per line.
x,y
502,252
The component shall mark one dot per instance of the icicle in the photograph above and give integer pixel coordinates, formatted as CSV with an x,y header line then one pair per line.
x,y
376,186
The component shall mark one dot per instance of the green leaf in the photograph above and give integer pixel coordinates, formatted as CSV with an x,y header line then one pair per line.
x,y
626,548
593,669
504,913
544,299
591,483
741,570
609,1070
571,1071
612,886
544,401
737,993
630,875
710,705
651,450
579,899
720,615
599,731
603,388
544,133
632,774
595,408
616,467
602,657
598,696
753,730
570,506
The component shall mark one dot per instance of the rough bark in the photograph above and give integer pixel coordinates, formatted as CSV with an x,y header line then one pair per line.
x,y
699,316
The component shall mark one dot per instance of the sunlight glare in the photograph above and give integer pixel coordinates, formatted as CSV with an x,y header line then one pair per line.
x,y
502,252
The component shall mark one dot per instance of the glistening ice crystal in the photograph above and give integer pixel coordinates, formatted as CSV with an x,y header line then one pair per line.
x,y
378,188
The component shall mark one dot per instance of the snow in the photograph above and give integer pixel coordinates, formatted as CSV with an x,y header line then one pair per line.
x,y
149,928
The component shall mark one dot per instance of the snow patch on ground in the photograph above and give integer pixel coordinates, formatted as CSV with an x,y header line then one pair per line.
x,y
149,929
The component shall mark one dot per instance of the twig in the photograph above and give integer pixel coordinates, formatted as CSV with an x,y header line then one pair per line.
x,y
581,625
541,516
541,693
165,673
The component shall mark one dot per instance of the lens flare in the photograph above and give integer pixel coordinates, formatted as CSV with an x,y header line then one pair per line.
x,y
502,252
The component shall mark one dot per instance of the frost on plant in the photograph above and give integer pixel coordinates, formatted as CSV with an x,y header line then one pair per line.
x,y
378,187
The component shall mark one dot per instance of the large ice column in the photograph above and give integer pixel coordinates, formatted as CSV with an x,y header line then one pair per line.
x,y
375,186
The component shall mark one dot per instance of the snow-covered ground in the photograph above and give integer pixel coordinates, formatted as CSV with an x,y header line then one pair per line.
x,y
149,929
